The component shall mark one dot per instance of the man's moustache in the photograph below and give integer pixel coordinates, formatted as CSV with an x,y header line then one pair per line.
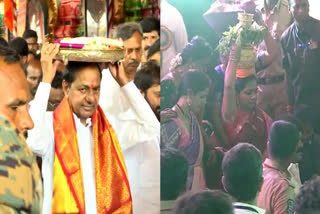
x,y
133,62
146,48
25,134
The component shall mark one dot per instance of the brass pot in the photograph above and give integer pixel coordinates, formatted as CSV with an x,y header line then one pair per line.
x,y
245,19
247,57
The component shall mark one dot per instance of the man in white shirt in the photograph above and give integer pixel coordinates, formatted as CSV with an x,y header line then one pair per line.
x,y
242,177
137,127
82,161
173,35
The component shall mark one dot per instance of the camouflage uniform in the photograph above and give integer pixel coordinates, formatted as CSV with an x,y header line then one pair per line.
x,y
20,181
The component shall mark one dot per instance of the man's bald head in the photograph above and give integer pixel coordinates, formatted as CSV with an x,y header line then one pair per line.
x,y
14,96
33,74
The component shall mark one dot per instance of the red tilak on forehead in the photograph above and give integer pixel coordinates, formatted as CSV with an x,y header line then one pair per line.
x,y
91,86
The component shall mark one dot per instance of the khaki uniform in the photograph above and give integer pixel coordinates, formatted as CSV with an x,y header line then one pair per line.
x,y
272,92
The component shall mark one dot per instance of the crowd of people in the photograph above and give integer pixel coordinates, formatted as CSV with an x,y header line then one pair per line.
x,y
241,140
82,137
87,137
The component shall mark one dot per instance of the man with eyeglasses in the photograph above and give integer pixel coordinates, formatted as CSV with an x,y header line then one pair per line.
x,y
300,53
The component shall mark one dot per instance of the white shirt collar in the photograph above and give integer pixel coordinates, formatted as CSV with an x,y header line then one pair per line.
x,y
259,210
77,120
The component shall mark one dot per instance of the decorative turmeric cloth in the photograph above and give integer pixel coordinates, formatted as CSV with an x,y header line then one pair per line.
x,y
112,187
20,181
41,140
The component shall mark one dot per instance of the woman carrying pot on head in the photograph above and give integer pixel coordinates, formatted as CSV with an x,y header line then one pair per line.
x,y
184,131
243,120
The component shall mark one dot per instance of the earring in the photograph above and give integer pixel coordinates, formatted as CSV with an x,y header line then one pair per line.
x,y
188,101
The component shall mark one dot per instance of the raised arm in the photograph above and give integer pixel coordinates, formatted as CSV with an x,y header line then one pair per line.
x,y
273,49
39,137
229,105
144,125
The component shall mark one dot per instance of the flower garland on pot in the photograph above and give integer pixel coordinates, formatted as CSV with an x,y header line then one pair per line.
x,y
249,35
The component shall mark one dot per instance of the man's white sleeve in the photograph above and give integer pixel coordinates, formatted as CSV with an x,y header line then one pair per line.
x,y
146,125
39,138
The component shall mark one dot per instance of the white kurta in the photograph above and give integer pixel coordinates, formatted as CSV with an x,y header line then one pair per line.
x,y
41,141
138,131
173,35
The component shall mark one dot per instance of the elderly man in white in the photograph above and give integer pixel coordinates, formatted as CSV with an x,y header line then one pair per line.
x,y
135,123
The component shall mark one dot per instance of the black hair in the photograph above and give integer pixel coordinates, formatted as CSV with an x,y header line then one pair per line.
x,y
38,57
198,48
283,139
29,34
308,199
35,56
20,45
242,170
148,75
9,55
292,119
241,83
174,173
126,30
193,80
305,114
3,42
205,201
154,49
74,67
57,80
290,3
168,94
150,24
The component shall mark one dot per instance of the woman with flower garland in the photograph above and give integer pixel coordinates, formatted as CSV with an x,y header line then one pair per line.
x,y
184,131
